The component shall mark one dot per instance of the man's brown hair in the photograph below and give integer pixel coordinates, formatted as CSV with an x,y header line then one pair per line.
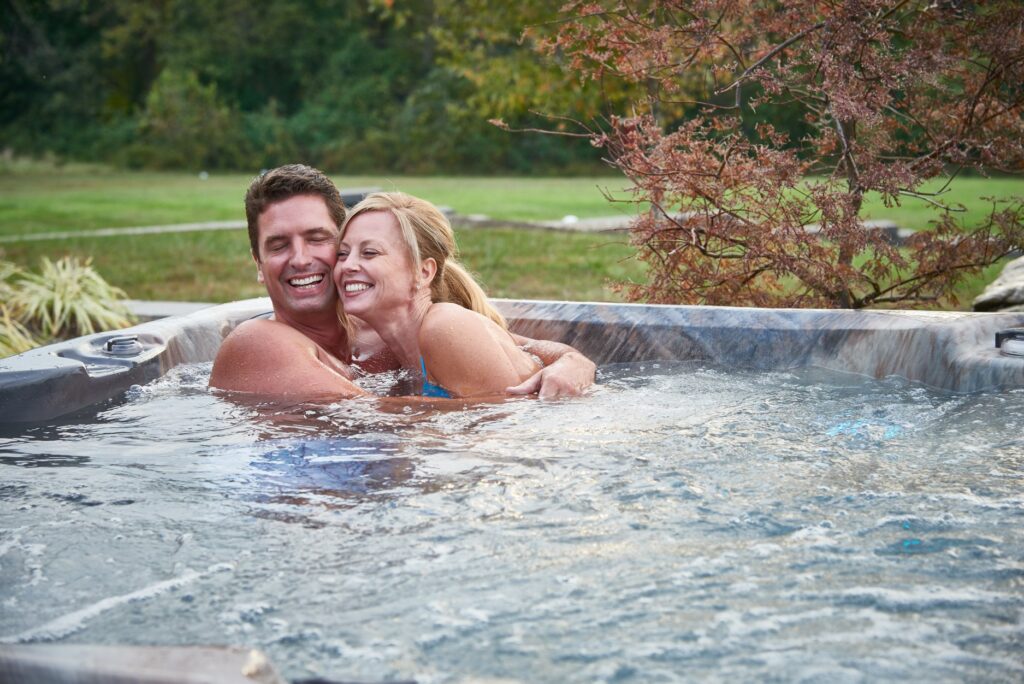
x,y
285,182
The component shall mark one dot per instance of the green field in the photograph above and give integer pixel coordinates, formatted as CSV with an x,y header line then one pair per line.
x,y
215,266
69,201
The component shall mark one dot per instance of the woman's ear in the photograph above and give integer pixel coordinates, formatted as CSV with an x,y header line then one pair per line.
x,y
428,269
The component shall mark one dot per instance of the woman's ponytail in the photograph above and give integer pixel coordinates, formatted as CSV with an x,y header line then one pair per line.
x,y
456,285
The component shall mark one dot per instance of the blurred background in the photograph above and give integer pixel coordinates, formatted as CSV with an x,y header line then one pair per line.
x,y
119,115
351,87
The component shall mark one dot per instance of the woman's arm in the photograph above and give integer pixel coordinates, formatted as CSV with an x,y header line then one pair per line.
x,y
468,354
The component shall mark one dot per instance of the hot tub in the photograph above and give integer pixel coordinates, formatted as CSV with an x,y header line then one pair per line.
x,y
745,495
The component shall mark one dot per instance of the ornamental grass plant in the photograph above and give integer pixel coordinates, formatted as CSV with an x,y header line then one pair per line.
x,y
8,274
14,337
66,298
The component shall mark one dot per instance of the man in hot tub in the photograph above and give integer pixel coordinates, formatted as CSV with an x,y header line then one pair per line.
x,y
294,213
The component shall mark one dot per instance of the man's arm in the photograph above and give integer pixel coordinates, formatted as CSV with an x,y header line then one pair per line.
x,y
566,372
272,359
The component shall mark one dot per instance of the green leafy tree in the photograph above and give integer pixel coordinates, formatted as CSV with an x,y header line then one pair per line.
x,y
396,86
491,46
53,85
186,125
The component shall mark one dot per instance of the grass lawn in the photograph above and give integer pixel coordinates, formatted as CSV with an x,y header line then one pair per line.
x,y
76,200
215,266
968,194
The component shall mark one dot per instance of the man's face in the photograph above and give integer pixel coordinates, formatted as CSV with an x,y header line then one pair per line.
x,y
297,251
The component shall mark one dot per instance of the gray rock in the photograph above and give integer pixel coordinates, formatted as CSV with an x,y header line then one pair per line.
x,y
1005,293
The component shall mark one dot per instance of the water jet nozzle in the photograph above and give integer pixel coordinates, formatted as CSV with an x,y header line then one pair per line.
x,y
1010,341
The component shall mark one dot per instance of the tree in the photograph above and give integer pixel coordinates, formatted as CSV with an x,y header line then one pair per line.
x,y
888,93
186,125
230,84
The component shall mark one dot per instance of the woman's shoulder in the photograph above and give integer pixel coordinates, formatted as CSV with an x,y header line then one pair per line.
x,y
445,323
444,315
445,309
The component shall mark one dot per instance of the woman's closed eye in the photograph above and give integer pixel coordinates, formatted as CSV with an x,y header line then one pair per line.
x,y
366,253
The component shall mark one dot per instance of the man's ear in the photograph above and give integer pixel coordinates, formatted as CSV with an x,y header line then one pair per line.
x,y
259,271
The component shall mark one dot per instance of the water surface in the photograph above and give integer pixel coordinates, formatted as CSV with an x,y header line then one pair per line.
x,y
680,523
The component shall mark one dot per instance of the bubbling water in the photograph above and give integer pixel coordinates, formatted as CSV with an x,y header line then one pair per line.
x,y
678,523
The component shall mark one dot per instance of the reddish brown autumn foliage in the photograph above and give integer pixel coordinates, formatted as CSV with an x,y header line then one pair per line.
x,y
891,94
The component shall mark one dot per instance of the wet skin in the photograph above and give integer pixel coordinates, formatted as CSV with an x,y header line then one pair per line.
x,y
300,353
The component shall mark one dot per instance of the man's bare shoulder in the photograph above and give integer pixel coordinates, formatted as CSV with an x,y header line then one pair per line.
x,y
254,349
268,357
260,333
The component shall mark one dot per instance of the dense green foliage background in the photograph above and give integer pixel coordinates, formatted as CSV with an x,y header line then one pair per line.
x,y
350,86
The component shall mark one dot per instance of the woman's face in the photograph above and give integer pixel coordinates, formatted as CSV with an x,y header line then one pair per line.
x,y
375,273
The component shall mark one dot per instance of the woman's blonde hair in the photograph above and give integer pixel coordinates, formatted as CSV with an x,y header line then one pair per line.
x,y
428,235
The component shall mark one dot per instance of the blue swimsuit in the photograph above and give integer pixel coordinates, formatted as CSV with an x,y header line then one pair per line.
x,y
429,388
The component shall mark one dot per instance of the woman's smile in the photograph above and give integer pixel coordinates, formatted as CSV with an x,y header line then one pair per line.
x,y
374,272
357,287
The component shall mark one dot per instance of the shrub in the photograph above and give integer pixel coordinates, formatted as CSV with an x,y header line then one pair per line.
x,y
67,298
14,337
9,273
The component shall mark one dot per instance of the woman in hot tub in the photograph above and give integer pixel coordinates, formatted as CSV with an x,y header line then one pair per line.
x,y
397,272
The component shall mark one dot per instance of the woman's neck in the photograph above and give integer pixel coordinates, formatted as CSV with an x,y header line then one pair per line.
x,y
399,329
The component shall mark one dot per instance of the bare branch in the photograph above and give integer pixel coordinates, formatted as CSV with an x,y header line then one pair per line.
x,y
926,197
771,53
544,131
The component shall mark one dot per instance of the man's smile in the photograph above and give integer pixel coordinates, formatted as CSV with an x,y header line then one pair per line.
x,y
306,281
